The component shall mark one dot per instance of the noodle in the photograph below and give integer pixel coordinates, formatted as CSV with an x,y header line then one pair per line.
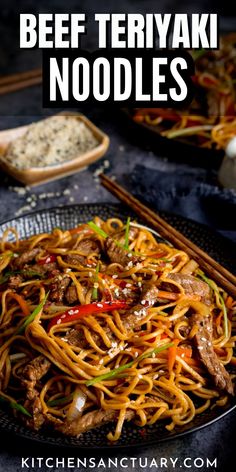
x,y
210,120
116,336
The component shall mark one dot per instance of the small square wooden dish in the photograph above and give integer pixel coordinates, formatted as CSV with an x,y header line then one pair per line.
x,y
37,175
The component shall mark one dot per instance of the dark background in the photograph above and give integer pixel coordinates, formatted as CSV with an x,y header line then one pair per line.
x,y
181,185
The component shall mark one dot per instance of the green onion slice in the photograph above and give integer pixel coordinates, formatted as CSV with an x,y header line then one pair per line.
x,y
126,245
97,230
95,289
16,406
33,315
215,289
113,373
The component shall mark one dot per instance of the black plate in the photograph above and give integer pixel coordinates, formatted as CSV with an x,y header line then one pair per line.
x,y
178,149
132,436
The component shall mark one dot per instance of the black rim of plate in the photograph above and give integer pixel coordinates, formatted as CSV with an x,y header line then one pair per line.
x,y
132,436
181,149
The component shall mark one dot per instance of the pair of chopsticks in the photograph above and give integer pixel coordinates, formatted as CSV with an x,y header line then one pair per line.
x,y
14,82
219,274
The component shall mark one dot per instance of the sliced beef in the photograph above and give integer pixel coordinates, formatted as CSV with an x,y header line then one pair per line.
x,y
192,286
120,235
131,320
93,419
71,295
76,338
149,297
85,247
119,255
33,372
14,281
89,246
35,408
27,256
74,259
41,270
58,287
203,341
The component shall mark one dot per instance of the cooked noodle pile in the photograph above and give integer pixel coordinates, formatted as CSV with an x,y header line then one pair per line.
x,y
103,323
210,120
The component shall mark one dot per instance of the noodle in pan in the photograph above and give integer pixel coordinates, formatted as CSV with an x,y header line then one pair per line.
x,y
104,324
210,120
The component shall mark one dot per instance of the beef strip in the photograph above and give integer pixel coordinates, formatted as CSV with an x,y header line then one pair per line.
x,y
148,298
192,286
91,420
131,319
33,372
58,287
120,235
71,295
203,342
119,255
89,246
35,408
14,281
27,256
41,270
74,337
86,246
74,259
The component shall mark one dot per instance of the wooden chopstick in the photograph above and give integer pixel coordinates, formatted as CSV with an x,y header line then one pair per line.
x,y
14,82
218,273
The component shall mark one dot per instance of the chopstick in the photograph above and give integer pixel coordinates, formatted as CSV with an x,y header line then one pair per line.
x,y
14,82
218,273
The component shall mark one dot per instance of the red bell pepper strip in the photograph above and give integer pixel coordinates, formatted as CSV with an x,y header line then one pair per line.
x,y
79,229
47,259
79,311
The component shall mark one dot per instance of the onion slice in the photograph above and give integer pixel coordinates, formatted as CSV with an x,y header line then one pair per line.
x,y
77,405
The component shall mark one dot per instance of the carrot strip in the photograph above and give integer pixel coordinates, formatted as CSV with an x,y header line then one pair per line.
x,y
233,361
229,302
192,362
172,355
184,351
218,319
168,295
23,304
81,228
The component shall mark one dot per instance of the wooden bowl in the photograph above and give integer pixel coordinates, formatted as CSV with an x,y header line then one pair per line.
x,y
37,175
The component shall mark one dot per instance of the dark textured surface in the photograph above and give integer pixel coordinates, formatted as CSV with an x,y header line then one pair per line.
x,y
128,149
